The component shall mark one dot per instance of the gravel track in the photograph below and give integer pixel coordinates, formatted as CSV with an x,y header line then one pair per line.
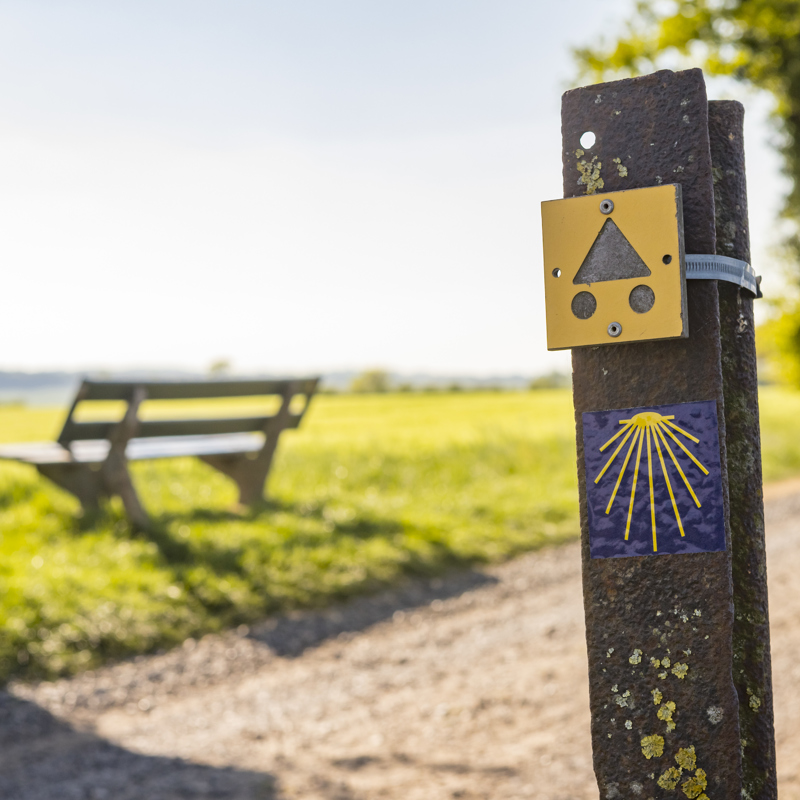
x,y
471,686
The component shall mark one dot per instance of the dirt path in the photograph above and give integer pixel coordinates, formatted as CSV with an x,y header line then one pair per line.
x,y
470,687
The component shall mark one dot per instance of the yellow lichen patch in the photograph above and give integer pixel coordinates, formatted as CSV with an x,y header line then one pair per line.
x,y
665,662
662,675
669,780
656,696
653,746
665,714
680,670
621,168
686,758
694,787
655,662
590,175
578,153
636,657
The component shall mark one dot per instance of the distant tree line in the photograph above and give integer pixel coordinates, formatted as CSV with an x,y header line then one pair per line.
x,y
379,381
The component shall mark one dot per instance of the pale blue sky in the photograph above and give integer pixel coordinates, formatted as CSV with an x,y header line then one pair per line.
x,y
304,185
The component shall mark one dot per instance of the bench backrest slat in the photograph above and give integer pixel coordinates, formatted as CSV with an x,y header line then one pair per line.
x,y
191,390
180,390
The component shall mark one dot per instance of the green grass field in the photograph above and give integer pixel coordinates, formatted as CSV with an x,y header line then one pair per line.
x,y
369,490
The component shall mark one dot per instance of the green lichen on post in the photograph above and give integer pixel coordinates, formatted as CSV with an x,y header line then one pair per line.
x,y
590,173
755,701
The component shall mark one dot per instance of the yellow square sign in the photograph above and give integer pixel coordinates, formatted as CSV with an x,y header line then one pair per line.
x,y
614,268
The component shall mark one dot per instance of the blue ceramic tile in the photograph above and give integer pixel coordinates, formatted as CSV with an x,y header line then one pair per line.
x,y
671,512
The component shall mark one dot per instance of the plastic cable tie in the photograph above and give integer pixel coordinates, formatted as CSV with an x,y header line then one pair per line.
x,y
723,268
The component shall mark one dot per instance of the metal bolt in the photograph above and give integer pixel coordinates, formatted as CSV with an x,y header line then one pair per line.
x,y
614,329
606,206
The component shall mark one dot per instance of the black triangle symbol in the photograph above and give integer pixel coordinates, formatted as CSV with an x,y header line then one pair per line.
x,y
611,258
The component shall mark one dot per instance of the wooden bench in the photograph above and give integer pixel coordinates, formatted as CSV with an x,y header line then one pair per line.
x,y
90,459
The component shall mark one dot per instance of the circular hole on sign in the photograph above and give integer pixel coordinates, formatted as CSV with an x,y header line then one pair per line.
x,y
667,259
584,305
556,273
587,140
641,298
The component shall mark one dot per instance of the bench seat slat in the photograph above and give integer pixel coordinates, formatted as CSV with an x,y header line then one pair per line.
x,y
95,451
177,446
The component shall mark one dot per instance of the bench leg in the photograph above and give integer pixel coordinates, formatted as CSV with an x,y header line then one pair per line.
x,y
118,481
78,479
250,474
90,486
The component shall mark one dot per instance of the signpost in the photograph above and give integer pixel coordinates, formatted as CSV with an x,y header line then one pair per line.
x,y
669,466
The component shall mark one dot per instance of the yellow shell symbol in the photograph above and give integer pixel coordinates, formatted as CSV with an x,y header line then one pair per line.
x,y
653,427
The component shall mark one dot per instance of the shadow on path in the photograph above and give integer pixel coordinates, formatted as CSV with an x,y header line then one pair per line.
x,y
42,758
289,635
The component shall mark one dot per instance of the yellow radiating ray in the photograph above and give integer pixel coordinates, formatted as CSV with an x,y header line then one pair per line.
x,y
682,446
618,433
669,485
624,467
680,430
633,488
652,495
630,429
678,466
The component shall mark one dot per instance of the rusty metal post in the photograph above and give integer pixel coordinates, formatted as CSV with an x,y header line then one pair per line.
x,y
751,651
660,629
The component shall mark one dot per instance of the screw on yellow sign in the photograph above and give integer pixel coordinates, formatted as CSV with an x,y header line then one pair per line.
x,y
614,267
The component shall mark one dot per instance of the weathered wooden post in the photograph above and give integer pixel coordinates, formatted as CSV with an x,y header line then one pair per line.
x,y
666,410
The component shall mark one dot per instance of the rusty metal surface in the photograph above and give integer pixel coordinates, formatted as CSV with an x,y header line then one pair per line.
x,y
751,649
677,607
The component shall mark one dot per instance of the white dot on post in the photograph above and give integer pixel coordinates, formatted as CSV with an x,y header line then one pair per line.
x,y
587,140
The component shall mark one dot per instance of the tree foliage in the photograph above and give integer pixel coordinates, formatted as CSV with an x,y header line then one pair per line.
x,y
756,42
371,381
753,41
